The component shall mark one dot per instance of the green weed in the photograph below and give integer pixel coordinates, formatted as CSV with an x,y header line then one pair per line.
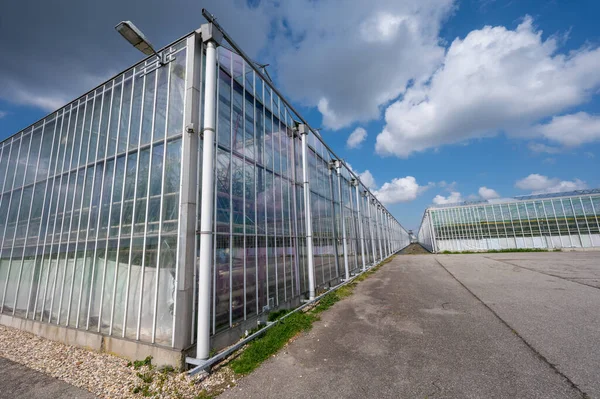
x,y
137,364
262,348
280,334
278,314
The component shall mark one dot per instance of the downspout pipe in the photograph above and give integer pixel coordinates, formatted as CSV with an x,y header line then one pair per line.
x,y
211,37
338,167
303,130
360,221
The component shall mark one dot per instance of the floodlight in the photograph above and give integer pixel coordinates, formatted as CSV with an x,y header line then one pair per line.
x,y
133,35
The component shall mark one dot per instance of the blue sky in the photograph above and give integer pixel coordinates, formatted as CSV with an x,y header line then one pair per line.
x,y
459,100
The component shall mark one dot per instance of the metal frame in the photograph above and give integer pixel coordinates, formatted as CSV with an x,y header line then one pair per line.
x,y
76,264
461,224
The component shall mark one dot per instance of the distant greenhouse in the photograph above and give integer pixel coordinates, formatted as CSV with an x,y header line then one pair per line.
x,y
175,205
547,221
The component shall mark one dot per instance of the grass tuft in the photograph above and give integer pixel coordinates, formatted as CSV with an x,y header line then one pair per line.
x,y
262,348
277,314
137,364
280,334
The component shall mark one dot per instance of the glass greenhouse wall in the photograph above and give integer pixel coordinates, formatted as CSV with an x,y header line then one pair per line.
x,y
553,221
100,205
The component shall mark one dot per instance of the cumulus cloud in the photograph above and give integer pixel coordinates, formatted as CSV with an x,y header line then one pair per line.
x,y
493,80
367,179
349,58
540,184
404,189
571,130
356,138
453,198
488,193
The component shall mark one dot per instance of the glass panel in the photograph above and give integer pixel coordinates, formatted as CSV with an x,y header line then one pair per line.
x,y
148,111
176,94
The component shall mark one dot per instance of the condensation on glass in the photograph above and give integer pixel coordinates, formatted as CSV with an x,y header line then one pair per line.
x,y
567,220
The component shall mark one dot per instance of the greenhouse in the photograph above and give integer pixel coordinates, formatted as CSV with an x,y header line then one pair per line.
x,y
175,205
545,221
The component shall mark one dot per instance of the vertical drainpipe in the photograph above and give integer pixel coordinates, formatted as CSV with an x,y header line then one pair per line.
x,y
211,36
338,167
360,221
303,130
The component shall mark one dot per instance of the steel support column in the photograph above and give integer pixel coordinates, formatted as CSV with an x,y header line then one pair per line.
x,y
361,230
183,318
211,37
303,130
338,167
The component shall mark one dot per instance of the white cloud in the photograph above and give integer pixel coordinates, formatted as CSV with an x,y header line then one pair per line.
x,y
540,184
493,80
543,148
367,179
356,138
488,193
3,114
404,189
351,57
453,198
571,130
447,186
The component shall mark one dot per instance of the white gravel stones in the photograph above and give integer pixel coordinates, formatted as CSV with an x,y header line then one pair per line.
x,y
104,375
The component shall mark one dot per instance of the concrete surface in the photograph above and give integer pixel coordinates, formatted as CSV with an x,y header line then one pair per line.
x,y
18,381
468,326
552,300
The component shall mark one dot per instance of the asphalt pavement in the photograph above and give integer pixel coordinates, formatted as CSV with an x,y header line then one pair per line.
x,y
522,325
18,381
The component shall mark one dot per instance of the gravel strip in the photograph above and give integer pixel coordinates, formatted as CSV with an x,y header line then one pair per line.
x,y
105,375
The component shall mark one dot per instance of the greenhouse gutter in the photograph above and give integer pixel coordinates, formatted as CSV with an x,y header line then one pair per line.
x,y
204,365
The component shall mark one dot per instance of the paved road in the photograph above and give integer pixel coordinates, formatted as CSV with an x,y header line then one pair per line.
x,y
18,381
551,300
450,326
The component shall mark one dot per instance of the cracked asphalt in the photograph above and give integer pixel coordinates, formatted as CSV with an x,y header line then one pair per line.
x,y
521,325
